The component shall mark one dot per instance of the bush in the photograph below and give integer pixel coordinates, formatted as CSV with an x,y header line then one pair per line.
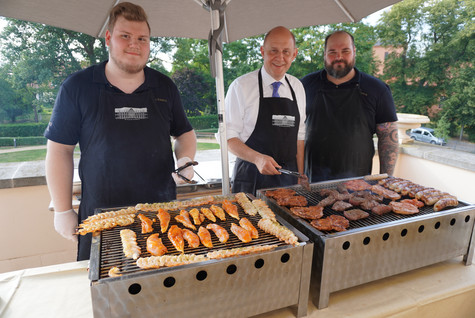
x,y
204,121
23,130
22,141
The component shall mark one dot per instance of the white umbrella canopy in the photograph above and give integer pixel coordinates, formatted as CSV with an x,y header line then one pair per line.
x,y
216,20
188,18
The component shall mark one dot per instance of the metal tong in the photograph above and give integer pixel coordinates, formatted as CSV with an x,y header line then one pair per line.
x,y
186,165
304,180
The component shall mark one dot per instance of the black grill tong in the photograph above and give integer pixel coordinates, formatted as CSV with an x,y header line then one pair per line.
x,y
303,178
186,165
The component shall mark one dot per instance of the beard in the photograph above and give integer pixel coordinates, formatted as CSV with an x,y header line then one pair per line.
x,y
131,68
339,72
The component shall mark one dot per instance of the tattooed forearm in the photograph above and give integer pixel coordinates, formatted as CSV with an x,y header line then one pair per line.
x,y
388,146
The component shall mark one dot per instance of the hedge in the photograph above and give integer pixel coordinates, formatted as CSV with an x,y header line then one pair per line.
x,y
21,141
37,129
23,130
204,122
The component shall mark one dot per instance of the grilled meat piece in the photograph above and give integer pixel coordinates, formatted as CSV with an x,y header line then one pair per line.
x,y
246,224
280,193
355,214
381,209
342,188
191,238
175,235
184,218
415,202
324,224
129,243
327,201
357,185
164,218
198,218
311,212
331,223
356,200
146,224
368,204
445,202
341,206
209,215
219,231
403,208
218,212
241,233
205,237
386,193
339,223
155,245
329,192
231,209
296,200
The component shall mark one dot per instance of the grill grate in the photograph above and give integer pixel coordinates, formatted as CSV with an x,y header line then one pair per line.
x,y
111,253
313,197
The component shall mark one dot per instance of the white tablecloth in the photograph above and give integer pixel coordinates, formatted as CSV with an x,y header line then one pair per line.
x,y
443,290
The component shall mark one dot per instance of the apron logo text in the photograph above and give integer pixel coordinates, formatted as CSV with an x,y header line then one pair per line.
x,y
283,121
131,113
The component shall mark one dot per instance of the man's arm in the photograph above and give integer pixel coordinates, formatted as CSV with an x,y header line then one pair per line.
x,y
185,145
265,164
59,168
59,177
388,146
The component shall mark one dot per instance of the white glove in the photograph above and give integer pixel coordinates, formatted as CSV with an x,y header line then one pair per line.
x,y
187,172
65,223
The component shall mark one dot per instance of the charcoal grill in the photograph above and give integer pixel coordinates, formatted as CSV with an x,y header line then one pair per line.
x,y
379,246
240,286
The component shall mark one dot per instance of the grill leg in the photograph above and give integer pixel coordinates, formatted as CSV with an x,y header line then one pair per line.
x,y
467,258
302,306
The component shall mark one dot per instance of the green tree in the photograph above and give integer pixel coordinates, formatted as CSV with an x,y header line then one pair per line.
x,y
11,103
434,64
194,91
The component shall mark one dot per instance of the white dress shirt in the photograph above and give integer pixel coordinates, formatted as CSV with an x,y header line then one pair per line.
x,y
242,102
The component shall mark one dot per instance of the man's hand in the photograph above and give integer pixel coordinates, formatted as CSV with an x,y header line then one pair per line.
x,y
266,165
65,223
187,172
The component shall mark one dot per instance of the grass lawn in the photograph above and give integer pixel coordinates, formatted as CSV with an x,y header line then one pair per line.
x,y
39,154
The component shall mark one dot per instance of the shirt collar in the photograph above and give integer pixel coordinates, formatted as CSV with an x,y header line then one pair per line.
x,y
267,80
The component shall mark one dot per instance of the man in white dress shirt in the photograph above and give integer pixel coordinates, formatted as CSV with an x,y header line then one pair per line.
x,y
265,118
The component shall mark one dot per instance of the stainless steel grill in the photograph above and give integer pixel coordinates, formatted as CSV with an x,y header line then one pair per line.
x,y
379,246
239,286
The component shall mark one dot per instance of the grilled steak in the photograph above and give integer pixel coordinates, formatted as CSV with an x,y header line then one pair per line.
x,y
381,209
296,200
340,206
311,212
355,214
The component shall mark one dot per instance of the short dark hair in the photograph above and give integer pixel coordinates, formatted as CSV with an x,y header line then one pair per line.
x,y
129,11
339,31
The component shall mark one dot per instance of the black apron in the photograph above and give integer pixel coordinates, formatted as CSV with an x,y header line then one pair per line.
x,y
275,135
339,141
128,158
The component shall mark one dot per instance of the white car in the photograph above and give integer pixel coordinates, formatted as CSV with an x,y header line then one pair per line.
x,y
426,135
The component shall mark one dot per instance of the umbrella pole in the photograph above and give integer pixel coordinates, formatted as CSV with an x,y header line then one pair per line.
x,y
216,61
222,125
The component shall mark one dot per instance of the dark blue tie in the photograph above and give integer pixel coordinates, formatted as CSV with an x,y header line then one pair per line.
x,y
275,92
